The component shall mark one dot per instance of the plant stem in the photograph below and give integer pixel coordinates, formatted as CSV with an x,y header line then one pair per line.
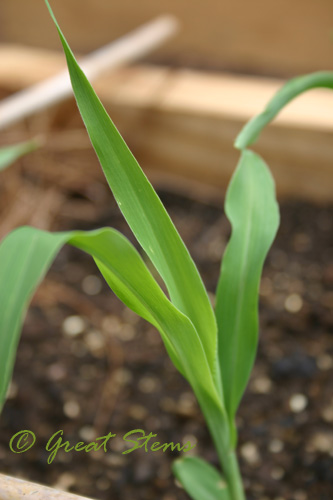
x,y
229,464
232,476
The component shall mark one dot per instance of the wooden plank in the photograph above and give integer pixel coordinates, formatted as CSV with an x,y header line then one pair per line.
x,y
12,488
276,38
182,123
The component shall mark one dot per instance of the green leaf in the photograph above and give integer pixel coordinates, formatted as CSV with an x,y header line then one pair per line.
x,y
9,154
199,479
143,209
253,212
250,133
26,254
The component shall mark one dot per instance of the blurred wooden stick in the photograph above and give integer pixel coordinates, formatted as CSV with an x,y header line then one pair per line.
x,y
55,89
12,488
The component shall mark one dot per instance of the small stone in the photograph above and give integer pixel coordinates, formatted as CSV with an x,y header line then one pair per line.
x,y
115,459
56,372
250,453
91,285
117,444
261,385
322,442
148,384
87,433
276,446
95,341
138,412
112,324
327,414
72,409
65,481
293,303
189,438
186,404
298,403
277,473
73,325
324,362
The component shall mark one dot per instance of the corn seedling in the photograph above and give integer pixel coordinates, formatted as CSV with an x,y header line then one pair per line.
x,y
9,154
213,349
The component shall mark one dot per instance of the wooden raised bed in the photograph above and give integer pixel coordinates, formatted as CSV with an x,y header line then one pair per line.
x,y
15,489
276,38
181,124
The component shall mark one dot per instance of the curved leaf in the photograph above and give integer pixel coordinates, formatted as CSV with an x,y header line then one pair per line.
x,y
250,133
253,212
26,254
8,154
200,479
143,209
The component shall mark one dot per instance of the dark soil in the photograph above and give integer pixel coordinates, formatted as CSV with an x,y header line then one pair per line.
x,y
107,370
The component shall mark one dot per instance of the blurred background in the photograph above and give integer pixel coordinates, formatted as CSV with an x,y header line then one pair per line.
x,y
85,363
259,37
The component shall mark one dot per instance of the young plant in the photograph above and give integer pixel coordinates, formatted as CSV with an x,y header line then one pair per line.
x,y
213,350
8,154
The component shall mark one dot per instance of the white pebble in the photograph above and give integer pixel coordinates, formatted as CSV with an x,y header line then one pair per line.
x,y
73,325
275,446
262,385
87,433
91,285
327,414
250,453
95,340
298,403
324,362
65,481
322,442
189,438
72,409
293,303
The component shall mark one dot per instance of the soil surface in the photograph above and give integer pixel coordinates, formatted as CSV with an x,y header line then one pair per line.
x,y
88,366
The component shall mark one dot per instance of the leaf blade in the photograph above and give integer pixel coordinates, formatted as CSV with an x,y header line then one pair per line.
x,y
253,212
143,209
289,91
26,254
9,154
199,479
